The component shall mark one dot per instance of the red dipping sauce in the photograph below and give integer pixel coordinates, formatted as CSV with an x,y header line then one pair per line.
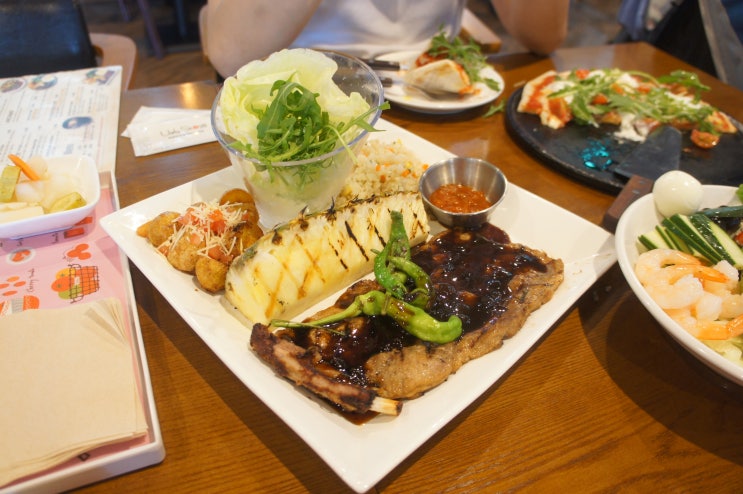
x,y
458,198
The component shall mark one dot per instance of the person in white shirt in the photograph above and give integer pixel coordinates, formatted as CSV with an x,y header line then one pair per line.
x,y
234,32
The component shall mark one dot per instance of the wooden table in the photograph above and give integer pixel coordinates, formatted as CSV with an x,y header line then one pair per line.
x,y
605,402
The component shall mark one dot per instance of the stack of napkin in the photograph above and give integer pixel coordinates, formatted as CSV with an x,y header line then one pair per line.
x,y
155,130
67,385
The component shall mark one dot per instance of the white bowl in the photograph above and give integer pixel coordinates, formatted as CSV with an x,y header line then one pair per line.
x,y
642,217
85,172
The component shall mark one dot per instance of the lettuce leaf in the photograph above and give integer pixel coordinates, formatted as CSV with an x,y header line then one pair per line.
x,y
247,94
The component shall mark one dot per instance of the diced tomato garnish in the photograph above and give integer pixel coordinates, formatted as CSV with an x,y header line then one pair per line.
x,y
546,81
186,218
644,87
682,124
426,58
611,117
679,89
617,88
217,254
217,222
560,109
582,73
739,238
704,140
533,106
600,99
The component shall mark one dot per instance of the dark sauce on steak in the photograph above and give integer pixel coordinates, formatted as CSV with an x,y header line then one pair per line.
x,y
470,271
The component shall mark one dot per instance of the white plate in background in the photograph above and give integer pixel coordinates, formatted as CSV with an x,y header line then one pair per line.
x,y
423,103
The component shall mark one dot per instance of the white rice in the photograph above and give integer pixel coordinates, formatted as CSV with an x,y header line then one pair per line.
x,y
383,167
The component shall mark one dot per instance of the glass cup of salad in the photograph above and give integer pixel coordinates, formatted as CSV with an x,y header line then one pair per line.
x,y
290,125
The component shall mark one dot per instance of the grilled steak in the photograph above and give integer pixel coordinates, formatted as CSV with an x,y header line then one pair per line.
x,y
490,283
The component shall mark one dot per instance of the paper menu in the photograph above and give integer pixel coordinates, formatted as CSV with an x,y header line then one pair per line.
x,y
71,112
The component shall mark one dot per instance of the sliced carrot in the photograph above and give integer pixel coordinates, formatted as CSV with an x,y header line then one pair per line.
x,y
25,168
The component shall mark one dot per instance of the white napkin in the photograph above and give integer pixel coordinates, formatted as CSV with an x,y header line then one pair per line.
x,y
68,386
155,130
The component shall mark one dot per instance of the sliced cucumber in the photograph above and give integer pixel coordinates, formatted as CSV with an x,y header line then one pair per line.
x,y
695,234
682,226
724,212
661,238
719,240
654,239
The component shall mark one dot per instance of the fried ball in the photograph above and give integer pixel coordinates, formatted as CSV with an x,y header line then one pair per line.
x,y
184,253
236,196
161,227
246,234
210,273
250,212
243,200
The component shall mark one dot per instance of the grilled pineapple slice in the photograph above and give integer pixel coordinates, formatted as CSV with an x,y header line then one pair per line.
x,y
304,261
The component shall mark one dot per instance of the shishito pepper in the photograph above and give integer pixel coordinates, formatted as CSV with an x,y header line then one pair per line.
x,y
397,246
392,268
412,319
423,287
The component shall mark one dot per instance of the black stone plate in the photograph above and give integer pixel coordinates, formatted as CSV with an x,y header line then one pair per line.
x,y
590,154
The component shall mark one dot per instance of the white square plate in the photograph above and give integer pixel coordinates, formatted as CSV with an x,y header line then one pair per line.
x,y
360,454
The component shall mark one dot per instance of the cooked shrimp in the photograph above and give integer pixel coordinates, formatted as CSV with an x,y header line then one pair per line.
x,y
703,300
723,288
718,330
650,263
732,306
680,285
683,292
707,308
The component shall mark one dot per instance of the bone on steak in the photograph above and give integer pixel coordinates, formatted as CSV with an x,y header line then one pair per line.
x,y
493,285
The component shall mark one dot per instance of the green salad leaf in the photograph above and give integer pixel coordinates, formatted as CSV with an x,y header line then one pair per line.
x,y
288,108
295,128
602,91
465,53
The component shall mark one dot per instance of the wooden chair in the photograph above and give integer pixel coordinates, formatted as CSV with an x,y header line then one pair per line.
x,y
115,49
41,36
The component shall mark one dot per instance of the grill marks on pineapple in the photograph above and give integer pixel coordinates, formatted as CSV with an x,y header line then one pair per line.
x,y
308,259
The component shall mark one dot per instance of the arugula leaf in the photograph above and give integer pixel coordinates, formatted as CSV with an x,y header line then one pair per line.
x,y
465,53
604,91
497,108
295,128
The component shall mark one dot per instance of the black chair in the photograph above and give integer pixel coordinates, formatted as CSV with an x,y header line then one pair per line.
x,y
40,36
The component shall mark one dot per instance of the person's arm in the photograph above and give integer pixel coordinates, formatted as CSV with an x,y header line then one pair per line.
x,y
540,25
239,31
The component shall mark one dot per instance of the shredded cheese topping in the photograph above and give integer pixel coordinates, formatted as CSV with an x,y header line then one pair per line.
x,y
207,224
